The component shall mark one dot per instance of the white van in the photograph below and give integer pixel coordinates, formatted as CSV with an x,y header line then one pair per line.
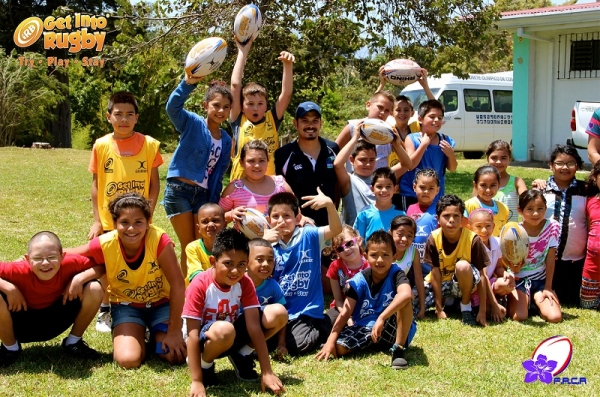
x,y
478,110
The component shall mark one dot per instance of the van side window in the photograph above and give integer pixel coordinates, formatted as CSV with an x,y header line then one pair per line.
x,y
449,99
502,101
477,101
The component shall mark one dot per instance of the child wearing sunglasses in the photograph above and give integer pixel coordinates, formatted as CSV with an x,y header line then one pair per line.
x,y
347,247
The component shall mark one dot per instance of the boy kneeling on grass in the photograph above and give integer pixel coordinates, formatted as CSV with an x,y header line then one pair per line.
x,y
49,288
384,314
215,326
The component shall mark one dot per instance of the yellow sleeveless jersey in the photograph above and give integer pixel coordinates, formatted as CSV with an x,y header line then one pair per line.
x,y
461,252
500,219
393,157
147,284
266,132
118,174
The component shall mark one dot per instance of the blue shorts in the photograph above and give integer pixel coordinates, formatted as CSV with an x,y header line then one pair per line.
x,y
530,287
181,197
147,317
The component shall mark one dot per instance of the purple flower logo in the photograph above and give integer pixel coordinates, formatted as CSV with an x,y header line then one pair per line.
x,y
539,370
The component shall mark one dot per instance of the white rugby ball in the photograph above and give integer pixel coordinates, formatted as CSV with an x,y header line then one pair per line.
x,y
514,244
253,223
557,348
376,131
247,23
206,57
401,71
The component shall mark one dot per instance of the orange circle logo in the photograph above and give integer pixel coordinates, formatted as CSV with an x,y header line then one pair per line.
x,y
28,32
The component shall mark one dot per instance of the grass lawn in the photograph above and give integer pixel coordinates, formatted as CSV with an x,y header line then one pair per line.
x,y
50,190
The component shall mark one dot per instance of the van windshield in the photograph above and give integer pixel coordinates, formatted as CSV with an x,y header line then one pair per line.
x,y
418,96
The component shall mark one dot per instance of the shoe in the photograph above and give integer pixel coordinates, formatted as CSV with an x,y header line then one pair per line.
x,y
7,357
80,350
209,378
468,318
399,357
244,367
104,322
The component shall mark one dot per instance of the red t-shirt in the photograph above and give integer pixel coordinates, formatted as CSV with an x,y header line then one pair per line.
x,y
206,301
340,272
40,294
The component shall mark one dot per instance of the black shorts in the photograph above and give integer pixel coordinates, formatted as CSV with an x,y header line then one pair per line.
x,y
242,338
40,325
305,334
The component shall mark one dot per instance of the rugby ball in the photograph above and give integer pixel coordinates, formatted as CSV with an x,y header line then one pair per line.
x,y
253,223
376,131
401,71
514,244
206,57
247,23
558,349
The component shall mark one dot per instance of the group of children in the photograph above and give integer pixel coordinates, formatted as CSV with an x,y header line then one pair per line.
x,y
402,246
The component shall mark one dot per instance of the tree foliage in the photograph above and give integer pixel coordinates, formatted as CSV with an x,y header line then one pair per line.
x,y
27,94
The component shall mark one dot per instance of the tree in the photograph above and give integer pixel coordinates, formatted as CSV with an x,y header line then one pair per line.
x,y
27,94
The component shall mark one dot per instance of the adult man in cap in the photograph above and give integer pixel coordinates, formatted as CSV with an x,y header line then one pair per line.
x,y
307,163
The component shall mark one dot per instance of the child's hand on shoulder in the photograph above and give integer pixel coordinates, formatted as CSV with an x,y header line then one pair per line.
x,y
286,57
317,202
539,184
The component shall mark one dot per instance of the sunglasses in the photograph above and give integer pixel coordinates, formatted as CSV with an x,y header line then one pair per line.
x,y
344,246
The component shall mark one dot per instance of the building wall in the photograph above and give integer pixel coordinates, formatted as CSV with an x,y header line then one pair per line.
x,y
551,99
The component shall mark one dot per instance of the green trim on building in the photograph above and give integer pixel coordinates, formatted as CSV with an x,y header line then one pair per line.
x,y
520,126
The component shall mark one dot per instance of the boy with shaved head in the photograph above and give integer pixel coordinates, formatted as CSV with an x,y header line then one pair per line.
x,y
47,287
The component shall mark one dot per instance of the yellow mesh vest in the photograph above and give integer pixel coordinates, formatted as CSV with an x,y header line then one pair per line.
x,y
266,132
448,261
147,284
393,157
500,218
118,174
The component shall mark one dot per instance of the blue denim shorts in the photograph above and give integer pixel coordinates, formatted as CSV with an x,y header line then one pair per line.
x,y
150,317
530,287
181,197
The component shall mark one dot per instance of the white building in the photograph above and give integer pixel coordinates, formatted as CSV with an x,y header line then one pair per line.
x,y
556,62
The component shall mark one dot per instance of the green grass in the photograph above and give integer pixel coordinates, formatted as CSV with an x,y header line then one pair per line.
x,y
50,190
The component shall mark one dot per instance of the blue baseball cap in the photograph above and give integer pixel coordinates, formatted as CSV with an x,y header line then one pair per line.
x,y
306,107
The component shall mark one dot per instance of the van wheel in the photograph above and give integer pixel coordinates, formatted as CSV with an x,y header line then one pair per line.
x,y
473,155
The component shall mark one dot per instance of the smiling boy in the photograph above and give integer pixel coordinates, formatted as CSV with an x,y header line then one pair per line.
x,y
429,149
215,323
43,295
379,301
298,265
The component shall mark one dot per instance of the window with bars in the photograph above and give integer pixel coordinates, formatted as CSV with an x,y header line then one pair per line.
x,y
579,55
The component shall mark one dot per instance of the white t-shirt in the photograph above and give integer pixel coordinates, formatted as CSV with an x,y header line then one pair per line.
x,y
216,147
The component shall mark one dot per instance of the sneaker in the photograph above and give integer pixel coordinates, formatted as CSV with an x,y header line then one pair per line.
x,y
7,357
399,357
104,322
209,378
244,367
80,350
468,318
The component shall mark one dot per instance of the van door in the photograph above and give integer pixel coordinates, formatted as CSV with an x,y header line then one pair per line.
x,y
453,117
503,117
479,123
